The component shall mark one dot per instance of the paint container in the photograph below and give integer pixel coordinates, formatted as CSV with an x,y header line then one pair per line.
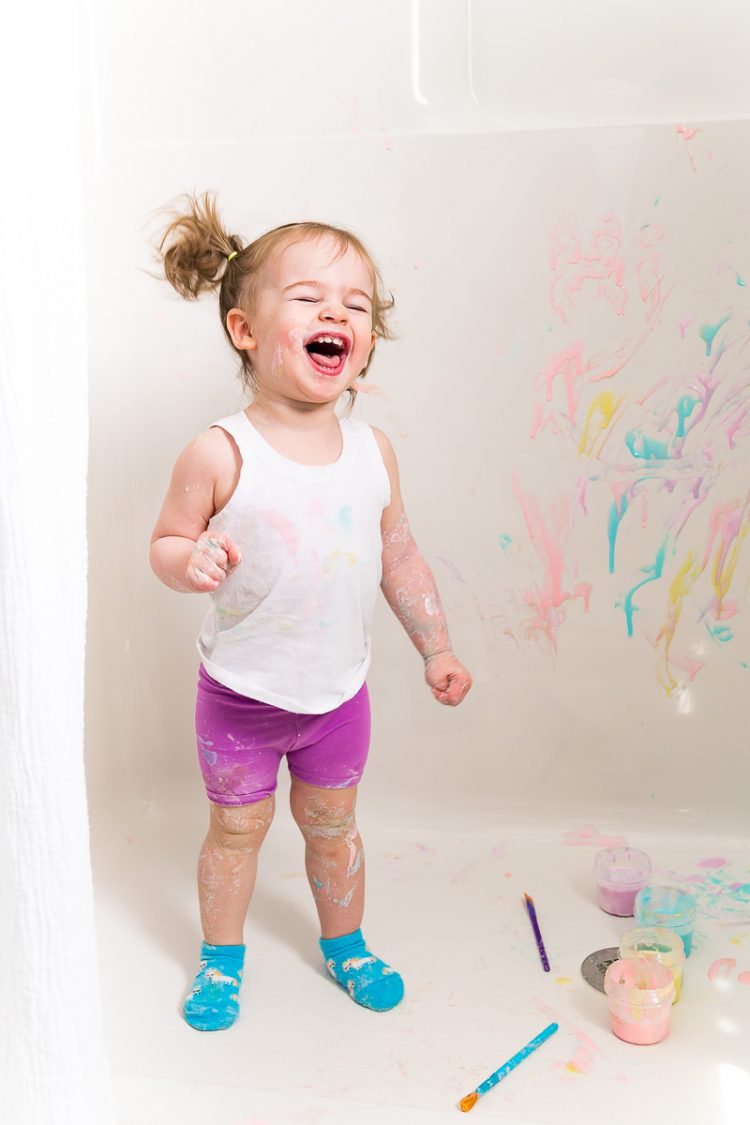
x,y
640,994
656,944
667,907
620,874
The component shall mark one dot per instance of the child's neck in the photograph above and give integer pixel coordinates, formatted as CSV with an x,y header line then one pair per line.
x,y
308,434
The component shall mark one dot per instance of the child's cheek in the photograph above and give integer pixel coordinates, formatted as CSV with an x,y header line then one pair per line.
x,y
296,338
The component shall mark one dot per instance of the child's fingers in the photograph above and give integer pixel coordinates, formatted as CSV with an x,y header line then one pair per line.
x,y
224,551
452,689
200,580
234,555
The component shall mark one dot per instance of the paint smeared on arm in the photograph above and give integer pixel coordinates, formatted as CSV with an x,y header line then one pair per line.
x,y
411,591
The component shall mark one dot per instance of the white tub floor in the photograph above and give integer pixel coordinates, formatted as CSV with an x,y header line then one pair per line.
x,y
447,911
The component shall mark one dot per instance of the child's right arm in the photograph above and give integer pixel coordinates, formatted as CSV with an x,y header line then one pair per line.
x,y
183,555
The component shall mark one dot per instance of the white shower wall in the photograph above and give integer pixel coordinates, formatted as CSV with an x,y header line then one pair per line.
x,y
531,185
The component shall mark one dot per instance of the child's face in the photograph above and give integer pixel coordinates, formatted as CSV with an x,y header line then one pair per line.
x,y
311,328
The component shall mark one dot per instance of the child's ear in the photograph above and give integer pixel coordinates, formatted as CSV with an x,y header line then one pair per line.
x,y
240,331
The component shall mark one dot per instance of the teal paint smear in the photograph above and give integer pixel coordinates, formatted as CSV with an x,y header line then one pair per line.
x,y
652,574
657,201
616,513
685,408
345,517
652,450
708,332
740,281
505,541
720,633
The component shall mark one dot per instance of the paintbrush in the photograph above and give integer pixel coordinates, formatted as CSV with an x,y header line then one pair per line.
x,y
537,932
471,1099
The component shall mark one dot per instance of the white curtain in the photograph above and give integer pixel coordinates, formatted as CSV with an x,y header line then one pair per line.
x,y
52,1065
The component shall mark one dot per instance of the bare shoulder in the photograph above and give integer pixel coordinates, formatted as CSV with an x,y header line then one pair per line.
x,y
395,508
204,477
387,451
212,451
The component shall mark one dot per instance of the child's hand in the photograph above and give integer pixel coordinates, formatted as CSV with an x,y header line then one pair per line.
x,y
211,560
447,677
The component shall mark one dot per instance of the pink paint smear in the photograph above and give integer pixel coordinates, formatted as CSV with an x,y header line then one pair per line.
x,y
548,600
589,836
722,968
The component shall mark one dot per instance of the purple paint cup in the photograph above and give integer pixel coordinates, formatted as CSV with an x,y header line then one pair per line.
x,y
620,874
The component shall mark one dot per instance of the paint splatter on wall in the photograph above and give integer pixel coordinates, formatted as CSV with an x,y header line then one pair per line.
x,y
652,431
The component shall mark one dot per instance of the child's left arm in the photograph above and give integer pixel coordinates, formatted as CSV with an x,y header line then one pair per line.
x,y
410,590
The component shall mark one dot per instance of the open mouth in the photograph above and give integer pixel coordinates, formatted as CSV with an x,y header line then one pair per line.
x,y
327,352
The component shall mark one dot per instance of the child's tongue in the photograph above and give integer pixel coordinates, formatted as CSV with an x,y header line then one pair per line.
x,y
326,360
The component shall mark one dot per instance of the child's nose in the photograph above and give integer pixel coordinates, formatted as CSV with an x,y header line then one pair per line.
x,y
333,310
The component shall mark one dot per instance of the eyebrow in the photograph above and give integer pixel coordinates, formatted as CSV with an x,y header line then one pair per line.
x,y
317,285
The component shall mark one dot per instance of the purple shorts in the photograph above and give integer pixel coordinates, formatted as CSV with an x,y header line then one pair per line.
x,y
241,742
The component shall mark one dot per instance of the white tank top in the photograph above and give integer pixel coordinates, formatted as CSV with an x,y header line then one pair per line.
x,y
291,624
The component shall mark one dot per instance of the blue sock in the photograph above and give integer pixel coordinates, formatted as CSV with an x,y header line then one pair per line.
x,y
214,1002
366,978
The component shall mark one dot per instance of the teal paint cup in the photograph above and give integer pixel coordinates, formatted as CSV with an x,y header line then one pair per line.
x,y
667,907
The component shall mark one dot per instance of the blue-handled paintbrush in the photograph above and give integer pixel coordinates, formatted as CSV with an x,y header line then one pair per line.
x,y
471,1099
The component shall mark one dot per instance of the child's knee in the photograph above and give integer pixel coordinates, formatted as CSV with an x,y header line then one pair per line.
x,y
325,822
241,827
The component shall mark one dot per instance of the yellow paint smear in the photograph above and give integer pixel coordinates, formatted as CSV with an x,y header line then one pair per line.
x,y
681,586
604,407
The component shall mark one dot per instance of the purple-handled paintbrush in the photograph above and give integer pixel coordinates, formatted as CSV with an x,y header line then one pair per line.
x,y
537,932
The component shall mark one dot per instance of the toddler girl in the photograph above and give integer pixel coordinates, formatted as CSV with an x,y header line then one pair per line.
x,y
290,516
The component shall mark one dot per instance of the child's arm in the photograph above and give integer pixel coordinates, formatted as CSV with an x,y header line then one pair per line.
x,y
183,555
410,590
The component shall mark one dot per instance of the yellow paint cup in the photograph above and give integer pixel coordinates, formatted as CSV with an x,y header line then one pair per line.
x,y
656,943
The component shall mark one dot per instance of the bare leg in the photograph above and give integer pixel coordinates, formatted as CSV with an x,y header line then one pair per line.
x,y
227,867
334,857
335,867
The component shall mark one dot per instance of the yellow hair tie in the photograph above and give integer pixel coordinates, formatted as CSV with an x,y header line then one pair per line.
x,y
232,255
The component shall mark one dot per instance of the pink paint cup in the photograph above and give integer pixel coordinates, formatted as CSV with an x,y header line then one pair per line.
x,y
656,944
640,994
620,874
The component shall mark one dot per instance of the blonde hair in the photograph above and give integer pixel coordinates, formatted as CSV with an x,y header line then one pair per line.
x,y
195,249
